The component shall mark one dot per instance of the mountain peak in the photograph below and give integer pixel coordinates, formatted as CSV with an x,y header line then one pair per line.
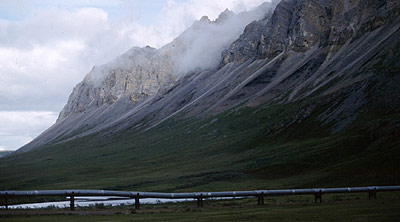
x,y
223,16
205,18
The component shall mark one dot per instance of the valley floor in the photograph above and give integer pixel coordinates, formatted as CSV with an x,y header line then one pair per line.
x,y
334,208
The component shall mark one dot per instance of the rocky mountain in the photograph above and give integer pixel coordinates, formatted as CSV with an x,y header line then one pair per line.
x,y
305,93
292,52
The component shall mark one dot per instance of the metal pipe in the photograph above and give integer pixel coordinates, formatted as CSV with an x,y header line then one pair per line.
x,y
195,195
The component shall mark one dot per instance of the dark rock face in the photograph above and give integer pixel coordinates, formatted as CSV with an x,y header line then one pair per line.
x,y
342,55
299,25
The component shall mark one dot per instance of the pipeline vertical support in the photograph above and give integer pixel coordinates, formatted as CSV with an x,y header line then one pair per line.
x,y
260,199
6,200
372,194
200,201
137,203
72,201
318,196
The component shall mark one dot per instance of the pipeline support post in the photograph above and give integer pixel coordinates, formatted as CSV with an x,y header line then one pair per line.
x,y
72,201
137,203
318,196
260,199
200,201
6,200
372,194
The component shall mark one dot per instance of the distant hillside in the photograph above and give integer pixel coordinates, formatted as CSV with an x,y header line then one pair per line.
x,y
5,153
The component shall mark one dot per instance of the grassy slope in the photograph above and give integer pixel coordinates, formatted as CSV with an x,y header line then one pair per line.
x,y
238,151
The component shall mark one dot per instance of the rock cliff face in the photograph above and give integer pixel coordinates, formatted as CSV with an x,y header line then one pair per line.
x,y
339,56
300,25
138,73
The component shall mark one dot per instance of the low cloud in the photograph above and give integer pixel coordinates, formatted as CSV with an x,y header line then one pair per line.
x,y
204,41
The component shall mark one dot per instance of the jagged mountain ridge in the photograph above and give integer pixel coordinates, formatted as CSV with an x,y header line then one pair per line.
x,y
292,53
141,72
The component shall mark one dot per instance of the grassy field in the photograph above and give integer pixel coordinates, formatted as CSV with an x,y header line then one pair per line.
x,y
350,207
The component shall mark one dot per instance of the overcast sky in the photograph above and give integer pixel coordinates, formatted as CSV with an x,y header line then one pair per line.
x,y
48,46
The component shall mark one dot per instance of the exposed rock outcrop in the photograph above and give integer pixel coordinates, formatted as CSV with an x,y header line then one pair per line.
x,y
300,25
138,73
